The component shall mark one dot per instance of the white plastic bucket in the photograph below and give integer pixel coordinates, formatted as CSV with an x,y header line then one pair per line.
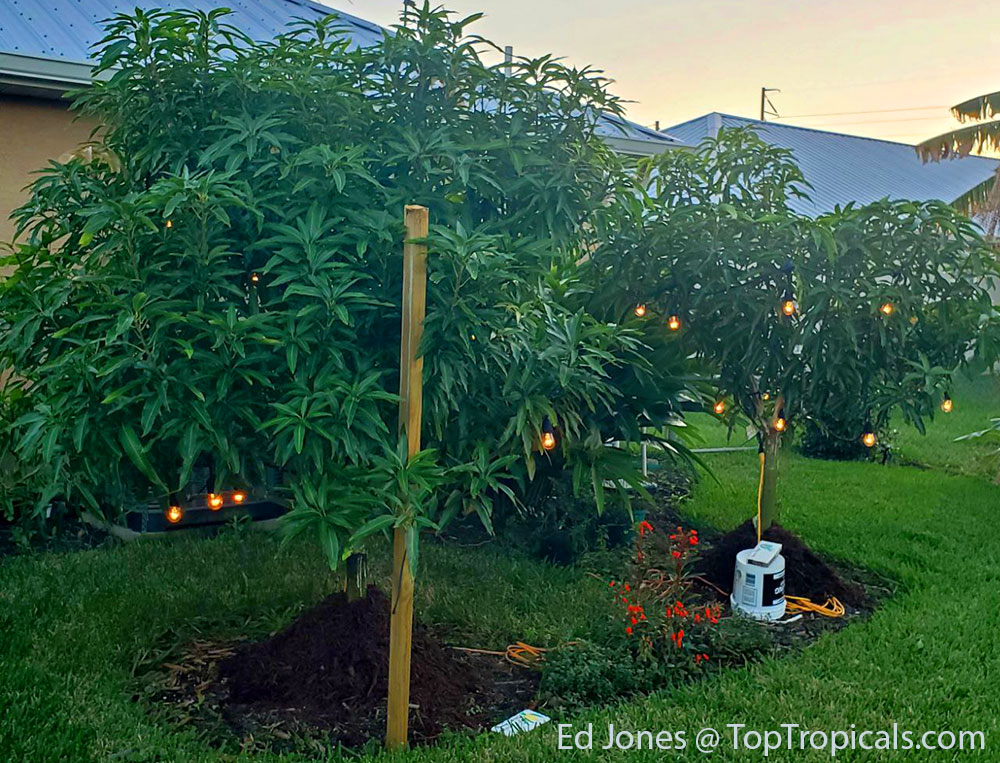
x,y
759,591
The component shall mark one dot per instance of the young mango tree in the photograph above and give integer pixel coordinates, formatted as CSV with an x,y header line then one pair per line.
x,y
215,286
867,309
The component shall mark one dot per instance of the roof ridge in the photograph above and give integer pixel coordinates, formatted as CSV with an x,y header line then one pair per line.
x,y
825,132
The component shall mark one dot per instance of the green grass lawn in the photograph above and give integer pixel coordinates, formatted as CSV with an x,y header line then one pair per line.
x,y
977,400
75,628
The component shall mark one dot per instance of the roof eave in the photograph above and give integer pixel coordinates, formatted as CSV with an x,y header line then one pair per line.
x,y
636,147
41,77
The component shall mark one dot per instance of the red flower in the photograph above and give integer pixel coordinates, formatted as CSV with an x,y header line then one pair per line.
x,y
678,638
629,630
612,584
694,540
628,587
644,527
635,621
677,554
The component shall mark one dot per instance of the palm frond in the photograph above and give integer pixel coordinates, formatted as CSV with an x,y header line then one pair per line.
x,y
980,107
983,203
962,142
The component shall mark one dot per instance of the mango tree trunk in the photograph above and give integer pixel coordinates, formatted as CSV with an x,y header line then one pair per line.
x,y
357,576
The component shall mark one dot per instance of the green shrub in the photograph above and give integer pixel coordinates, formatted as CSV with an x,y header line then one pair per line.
x,y
584,674
216,284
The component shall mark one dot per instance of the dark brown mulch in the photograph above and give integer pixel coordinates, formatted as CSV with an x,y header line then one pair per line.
x,y
328,672
806,574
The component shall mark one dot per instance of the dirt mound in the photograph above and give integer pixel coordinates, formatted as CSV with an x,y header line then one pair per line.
x,y
805,573
331,666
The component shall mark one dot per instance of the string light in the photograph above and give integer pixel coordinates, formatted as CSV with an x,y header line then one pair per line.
x,y
239,496
174,514
214,501
766,396
947,405
788,304
472,337
780,424
640,311
868,439
673,323
548,435
255,278
719,407
887,309
168,224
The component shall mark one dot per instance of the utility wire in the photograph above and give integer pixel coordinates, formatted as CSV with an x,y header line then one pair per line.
x,y
852,113
876,121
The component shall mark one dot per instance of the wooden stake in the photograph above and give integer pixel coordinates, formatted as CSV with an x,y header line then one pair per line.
x,y
410,409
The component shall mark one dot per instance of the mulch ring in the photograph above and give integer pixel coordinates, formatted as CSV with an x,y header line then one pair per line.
x,y
807,574
323,681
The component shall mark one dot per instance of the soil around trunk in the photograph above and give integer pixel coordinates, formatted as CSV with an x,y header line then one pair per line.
x,y
806,574
329,670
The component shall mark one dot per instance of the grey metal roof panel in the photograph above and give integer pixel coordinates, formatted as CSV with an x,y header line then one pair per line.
x,y
66,30
844,168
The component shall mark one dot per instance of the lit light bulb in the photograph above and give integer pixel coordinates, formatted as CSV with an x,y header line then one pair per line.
x,y
214,501
472,337
869,439
239,496
548,435
780,424
640,310
719,407
174,514
673,323
887,309
255,278
766,396
168,224
947,405
788,307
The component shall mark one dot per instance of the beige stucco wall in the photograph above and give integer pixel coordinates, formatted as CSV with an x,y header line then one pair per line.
x,y
32,131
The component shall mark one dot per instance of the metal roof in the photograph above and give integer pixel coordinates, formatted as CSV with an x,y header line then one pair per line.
x,y
844,168
45,46
67,29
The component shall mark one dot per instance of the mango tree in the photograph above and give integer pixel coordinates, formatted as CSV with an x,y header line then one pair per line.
x,y
862,311
216,283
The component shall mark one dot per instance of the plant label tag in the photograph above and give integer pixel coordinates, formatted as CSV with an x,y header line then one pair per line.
x,y
526,720
765,553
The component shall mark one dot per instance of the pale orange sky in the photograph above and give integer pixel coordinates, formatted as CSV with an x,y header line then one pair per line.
x,y
678,60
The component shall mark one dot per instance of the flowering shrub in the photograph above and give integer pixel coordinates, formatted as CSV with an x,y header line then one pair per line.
x,y
662,631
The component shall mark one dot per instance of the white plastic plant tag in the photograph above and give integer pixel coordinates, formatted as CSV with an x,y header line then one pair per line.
x,y
526,720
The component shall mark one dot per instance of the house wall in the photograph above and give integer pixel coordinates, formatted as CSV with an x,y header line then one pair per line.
x,y
32,131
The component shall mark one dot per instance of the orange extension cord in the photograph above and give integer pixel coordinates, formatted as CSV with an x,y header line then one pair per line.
x,y
832,608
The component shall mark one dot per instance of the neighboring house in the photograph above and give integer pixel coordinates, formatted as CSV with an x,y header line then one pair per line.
x,y
845,168
44,48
